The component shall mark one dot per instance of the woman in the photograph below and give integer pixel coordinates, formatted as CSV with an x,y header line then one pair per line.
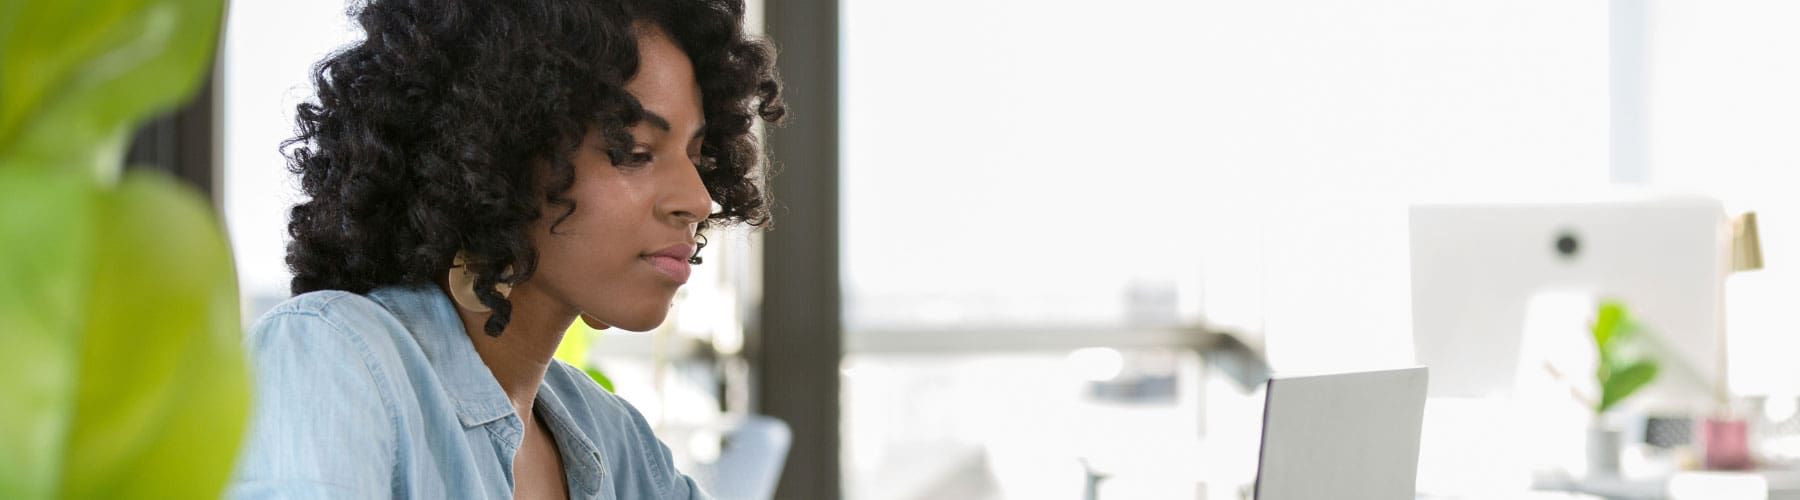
x,y
481,173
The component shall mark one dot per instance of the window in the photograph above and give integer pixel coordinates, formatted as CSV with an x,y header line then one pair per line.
x,y
266,59
1724,115
1099,175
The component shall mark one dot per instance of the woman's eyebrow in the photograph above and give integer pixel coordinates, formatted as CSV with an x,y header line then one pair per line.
x,y
658,121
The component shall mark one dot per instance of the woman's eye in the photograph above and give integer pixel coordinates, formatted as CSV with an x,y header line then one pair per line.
x,y
638,156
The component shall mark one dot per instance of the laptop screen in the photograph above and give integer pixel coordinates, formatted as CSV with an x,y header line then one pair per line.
x,y
1352,436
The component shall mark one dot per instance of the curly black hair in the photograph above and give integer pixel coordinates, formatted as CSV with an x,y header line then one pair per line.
x,y
431,135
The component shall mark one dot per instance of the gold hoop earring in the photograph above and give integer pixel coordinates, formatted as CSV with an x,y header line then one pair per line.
x,y
462,286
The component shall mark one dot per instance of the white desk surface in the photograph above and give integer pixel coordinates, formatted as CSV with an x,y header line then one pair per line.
x,y
1782,484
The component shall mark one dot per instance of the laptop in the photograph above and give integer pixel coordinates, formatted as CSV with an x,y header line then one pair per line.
x,y
1352,436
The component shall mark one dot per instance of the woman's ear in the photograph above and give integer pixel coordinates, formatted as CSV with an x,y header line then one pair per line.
x,y
594,323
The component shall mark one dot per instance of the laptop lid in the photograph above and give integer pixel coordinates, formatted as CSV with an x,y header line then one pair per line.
x,y
1352,436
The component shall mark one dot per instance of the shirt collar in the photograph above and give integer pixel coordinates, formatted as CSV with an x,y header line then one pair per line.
x,y
428,315
581,458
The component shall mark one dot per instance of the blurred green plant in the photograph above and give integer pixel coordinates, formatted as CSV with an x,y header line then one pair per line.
x,y
120,371
574,350
1624,367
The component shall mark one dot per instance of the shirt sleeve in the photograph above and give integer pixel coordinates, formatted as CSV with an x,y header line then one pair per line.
x,y
320,426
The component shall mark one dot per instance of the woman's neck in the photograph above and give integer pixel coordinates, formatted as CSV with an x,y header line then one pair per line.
x,y
521,355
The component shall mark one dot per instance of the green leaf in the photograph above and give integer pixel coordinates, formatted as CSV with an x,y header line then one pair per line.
x,y
1607,323
600,378
163,390
76,76
118,307
1625,381
119,315
574,346
1616,343
574,350
46,226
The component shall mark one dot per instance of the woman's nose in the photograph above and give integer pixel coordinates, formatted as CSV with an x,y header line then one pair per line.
x,y
687,200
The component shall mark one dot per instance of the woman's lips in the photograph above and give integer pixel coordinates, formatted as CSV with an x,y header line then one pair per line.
x,y
676,269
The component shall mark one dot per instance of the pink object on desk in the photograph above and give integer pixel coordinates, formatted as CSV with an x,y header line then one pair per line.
x,y
1726,443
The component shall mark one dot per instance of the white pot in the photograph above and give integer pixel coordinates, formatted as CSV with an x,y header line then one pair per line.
x,y
1603,449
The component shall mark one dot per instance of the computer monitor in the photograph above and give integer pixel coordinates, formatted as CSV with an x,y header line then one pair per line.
x,y
1476,266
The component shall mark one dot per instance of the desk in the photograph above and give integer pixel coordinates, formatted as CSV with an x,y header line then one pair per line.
x,y
1697,485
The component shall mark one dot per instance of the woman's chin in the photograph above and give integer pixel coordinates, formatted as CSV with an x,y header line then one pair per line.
x,y
639,324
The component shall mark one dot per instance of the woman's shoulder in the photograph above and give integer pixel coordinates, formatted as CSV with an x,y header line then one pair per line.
x,y
326,330
326,312
324,422
327,306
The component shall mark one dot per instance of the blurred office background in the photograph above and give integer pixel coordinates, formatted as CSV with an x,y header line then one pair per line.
x,y
1007,230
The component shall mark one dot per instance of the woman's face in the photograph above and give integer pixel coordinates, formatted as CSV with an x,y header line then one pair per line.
x,y
622,254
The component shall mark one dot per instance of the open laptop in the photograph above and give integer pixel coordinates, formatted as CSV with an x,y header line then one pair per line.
x,y
1352,436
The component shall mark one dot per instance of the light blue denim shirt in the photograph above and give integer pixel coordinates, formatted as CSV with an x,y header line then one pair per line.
x,y
383,396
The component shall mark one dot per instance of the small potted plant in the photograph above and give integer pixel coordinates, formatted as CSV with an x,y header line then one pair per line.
x,y
1622,370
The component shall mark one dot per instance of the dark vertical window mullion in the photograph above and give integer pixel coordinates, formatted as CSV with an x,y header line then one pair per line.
x,y
798,339
181,143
